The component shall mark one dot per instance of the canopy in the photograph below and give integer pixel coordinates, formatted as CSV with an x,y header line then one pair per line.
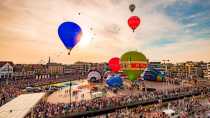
x,y
20,106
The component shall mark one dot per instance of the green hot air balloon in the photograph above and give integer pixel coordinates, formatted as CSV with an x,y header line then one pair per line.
x,y
133,64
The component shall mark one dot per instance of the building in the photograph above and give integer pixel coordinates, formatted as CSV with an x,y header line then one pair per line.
x,y
192,69
208,70
6,69
22,71
82,68
68,70
158,66
189,70
40,71
182,71
201,69
54,69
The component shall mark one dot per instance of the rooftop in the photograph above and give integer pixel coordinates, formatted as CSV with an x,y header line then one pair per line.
x,y
20,106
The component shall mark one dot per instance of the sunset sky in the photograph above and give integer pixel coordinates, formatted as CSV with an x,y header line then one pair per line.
x,y
178,30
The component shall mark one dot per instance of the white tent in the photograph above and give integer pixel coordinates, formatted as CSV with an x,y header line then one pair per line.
x,y
20,106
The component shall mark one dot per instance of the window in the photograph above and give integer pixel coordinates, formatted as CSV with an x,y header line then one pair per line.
x,y
2,76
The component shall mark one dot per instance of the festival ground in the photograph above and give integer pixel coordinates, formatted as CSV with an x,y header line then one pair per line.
x,y
81,90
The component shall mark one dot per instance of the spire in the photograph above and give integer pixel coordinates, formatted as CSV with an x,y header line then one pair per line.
x,y
49,61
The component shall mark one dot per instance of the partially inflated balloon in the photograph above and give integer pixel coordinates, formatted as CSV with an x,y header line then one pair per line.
x,y
94,76
114,81
153,74
134,22
133,64
69,33
114,64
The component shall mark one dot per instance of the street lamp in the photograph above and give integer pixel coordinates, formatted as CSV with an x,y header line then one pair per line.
x,y
7,74
70,84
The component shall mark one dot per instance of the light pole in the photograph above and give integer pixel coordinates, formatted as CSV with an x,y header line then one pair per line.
x,y
70,84
7,75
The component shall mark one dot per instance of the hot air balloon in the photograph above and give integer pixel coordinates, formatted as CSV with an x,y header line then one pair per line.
x,y
153,74
133,64
94,76
107,73
114,64
114,81
132,7
70,34
133,22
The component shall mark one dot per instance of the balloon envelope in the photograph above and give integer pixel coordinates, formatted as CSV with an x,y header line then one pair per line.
x,y
134,22
114,64
153,74
69,33
94,76
132,7
133,64
114,81
107,73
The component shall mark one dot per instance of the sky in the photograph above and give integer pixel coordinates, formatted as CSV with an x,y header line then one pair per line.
x,y
178,30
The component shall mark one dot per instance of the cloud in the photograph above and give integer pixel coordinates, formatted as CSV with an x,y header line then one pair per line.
x,y
31,27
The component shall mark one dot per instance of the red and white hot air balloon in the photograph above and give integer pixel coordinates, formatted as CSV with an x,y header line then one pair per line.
x,y
134,22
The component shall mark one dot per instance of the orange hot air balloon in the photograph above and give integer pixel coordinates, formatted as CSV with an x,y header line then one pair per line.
x,y
134,22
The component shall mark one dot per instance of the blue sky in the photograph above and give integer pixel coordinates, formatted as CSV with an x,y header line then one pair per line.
x,y
178,30
193,16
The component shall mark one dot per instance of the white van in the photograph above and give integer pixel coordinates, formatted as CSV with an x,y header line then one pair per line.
x,y
171,113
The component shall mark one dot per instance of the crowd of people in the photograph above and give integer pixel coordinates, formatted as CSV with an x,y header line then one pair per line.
x,y
185,107
7,93
137,112
45,109
15,87
193,106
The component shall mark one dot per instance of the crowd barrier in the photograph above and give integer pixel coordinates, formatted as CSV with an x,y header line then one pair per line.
x,y
130,105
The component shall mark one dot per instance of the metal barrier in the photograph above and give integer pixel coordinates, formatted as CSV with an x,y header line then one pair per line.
x,y
130,105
